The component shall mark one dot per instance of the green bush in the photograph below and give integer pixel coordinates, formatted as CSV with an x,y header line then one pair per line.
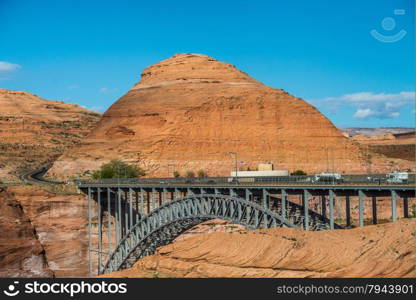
x,y
202,174
298,173
190,174
118,169
176,174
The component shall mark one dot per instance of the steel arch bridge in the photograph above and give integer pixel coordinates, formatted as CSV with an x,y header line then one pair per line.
x,y
169,220
137,222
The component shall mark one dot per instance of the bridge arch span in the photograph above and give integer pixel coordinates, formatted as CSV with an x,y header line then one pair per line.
x,y
168,221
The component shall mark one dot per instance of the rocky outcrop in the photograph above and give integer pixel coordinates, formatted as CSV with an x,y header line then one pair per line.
x,y
190,111
21,253
386,250
59,216
34,131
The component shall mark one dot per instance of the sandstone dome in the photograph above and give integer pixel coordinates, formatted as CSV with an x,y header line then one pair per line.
x,y
190,111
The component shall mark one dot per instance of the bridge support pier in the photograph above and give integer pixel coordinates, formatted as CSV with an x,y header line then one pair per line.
x,y
265,205
131,208
405,207
348,211
126,215
361,196
331,209
89,232
117,210
109,227
147,203
283,209
374,206
393,205
323,205
100,237
248,195
306,196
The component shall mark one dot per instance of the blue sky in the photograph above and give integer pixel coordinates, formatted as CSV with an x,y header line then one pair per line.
x,y
92,52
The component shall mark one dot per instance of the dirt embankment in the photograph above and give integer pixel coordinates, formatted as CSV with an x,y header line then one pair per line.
x,y
386,250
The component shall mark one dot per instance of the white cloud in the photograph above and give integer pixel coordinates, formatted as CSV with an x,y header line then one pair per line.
x,y
371,105
72,87
363,113
99,109
6,67
106,90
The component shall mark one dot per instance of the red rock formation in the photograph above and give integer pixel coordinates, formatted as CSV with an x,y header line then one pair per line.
x,y
21,254
59,216
34,131
189,111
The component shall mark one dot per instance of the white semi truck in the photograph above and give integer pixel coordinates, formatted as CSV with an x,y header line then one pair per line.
x,y
327,177
397,177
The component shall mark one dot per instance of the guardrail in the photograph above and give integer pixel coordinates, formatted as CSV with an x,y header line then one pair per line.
x,y
362,179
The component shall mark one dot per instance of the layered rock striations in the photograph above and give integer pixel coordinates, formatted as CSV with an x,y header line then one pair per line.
x,y
21,253
34,131
190,111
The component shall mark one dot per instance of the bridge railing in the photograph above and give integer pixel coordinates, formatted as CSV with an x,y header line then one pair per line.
x,y
362,179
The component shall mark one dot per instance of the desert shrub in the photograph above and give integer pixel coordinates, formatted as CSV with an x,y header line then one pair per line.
x,y
176,174
118,169
190,174
202,174
298,173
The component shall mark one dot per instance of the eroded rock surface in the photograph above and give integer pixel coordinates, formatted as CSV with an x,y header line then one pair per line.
x,y
21,253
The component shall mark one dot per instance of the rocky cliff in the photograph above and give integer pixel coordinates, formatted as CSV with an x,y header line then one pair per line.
x,y
190,111
21,253
34,131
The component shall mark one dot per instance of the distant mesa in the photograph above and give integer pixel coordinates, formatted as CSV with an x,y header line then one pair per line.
x,y
190,111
